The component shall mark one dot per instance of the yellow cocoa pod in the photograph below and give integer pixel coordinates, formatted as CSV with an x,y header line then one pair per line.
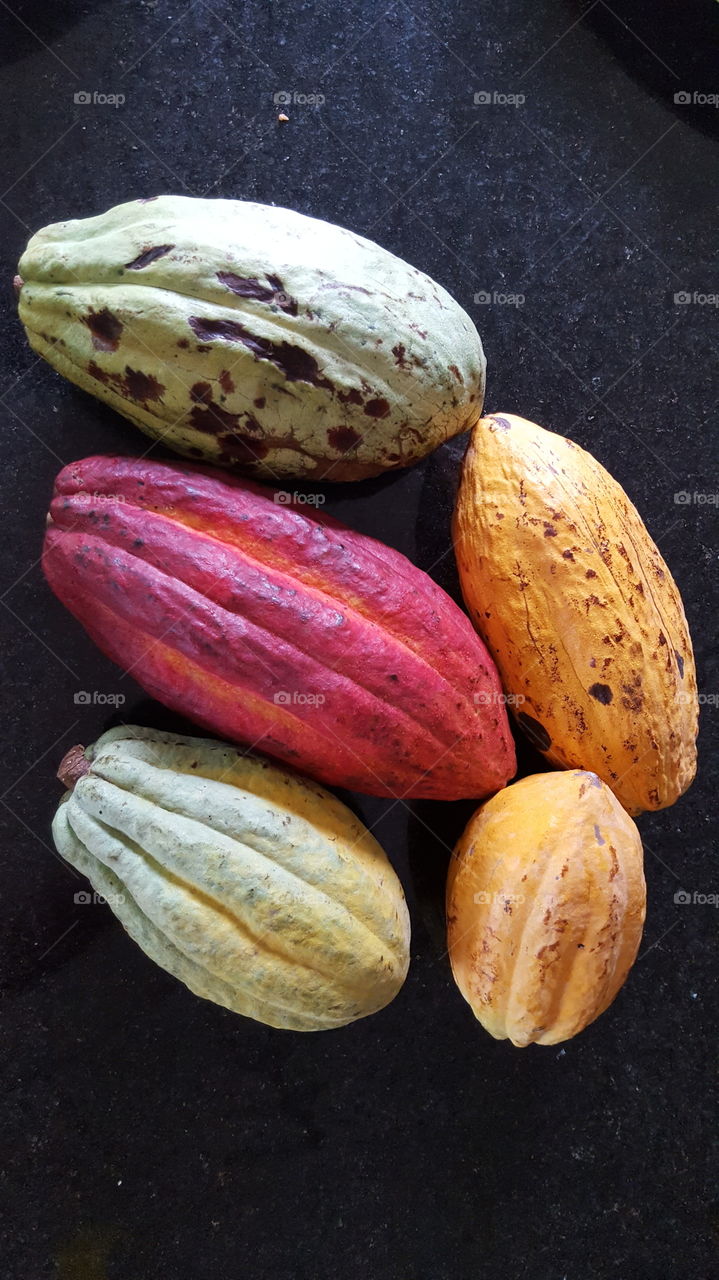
x,y
545,906
255,887
579,611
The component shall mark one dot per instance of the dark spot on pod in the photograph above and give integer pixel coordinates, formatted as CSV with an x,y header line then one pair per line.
x,y
601,692
294,362
230,330
260,402
147,256
141,386
400,355
535,731
251,423
680,664
590,573
201,392
343,438
663,639
378,408
213,418
240,448
134,385
550,531
353,396
183,343
633,699
456,372
249,287
226,381
96,372
105,329
567,555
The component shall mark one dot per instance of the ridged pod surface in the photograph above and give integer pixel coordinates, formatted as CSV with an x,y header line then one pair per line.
x,y
579,611
253,336
253,886
289,632
545,906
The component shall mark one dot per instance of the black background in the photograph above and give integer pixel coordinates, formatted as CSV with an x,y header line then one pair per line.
x,y
147,1134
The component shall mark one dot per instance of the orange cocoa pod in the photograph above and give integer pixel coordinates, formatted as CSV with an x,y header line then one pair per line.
x,y
579,611
545,906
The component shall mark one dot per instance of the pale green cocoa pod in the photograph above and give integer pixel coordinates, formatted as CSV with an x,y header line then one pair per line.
x,y
256,888
252,336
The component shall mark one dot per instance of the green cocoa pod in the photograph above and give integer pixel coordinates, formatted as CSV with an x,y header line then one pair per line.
x,y
256,888
252,336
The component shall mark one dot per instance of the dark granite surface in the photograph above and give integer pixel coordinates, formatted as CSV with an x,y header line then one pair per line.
x,y
147,1135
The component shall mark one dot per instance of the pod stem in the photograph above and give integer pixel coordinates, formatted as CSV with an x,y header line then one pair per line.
x,y
73,767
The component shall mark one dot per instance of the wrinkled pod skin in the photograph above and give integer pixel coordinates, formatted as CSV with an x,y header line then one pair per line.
x,y
286,631
253,337
579,611
545,907
252,885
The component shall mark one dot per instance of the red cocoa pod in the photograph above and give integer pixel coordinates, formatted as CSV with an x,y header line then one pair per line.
x,y
290,632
